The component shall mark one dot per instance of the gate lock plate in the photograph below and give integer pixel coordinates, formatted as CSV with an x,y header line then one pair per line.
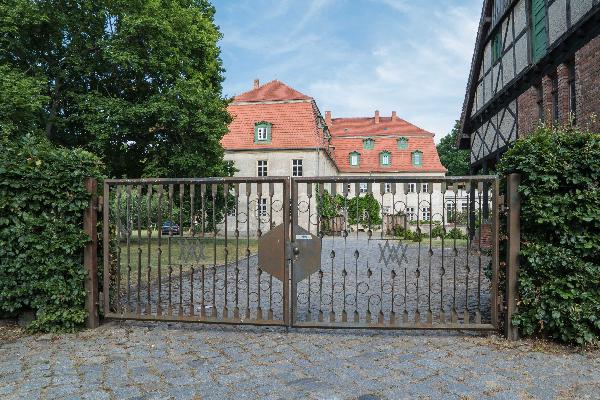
x,y
273,253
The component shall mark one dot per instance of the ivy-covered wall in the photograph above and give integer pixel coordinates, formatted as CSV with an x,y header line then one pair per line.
x,y
42,200
559,281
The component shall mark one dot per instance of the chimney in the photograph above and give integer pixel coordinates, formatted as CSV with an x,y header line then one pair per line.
x,y
377,116
328,118
256,84
394,116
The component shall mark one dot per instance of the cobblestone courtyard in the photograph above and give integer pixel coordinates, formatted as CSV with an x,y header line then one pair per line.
x,y
160,361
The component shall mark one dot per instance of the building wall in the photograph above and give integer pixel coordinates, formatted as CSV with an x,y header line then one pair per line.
x,y
279,162
587,84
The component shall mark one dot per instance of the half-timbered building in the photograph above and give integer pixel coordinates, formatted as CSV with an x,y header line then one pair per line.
x,y
535,61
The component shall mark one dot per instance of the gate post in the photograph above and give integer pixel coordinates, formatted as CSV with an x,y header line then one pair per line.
x,y
90,255
512,257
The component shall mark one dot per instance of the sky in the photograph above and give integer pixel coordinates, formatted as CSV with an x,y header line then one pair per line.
x,y
356,56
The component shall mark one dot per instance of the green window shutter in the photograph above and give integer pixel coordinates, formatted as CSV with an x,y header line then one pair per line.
x,y
402,143
417,158
496,47
538,34
368,144
385,158
354,156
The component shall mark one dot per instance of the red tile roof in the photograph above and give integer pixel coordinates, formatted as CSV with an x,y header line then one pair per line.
x,y
348,135
272,91
292,114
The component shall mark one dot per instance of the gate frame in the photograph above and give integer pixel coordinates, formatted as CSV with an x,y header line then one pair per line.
x,y
492,180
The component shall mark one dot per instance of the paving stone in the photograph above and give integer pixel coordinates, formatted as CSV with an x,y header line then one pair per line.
x,y
135,360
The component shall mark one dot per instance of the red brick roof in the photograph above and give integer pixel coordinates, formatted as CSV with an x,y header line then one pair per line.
x,y
292,114
272,91
348,135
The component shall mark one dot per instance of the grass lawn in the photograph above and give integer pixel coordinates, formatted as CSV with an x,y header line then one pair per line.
x,y
187,251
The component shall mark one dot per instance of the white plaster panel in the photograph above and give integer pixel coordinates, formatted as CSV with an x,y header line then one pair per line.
x,y
579,8
557,18
521,54
520,13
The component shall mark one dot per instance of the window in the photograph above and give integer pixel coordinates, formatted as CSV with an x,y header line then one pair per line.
x,y
349,188
497,46
262,167
387,188
426,213
363,188
368,144
555,112
262,207
540,101
262,132
296,167
231,212
410,213
572,93
412,187
385,210
450,211
424,187
538,32
385,158
465,207
354,159
402,143
417,158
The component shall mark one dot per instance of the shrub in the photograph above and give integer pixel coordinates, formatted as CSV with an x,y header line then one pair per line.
x,y
560,220
42,200
456,233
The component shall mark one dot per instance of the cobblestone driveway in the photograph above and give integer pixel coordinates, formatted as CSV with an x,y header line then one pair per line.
x,y
159,361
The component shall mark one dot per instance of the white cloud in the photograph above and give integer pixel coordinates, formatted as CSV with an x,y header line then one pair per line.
x,y
411,60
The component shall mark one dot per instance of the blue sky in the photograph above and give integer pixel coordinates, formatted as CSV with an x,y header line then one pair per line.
x,y
356,56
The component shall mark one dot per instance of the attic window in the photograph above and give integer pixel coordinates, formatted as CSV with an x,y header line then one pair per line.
x,y
402,143
262,132
354,159
417,158
385,158
368,143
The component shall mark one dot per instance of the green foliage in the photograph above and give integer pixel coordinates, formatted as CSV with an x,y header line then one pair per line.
x,y
407,234
137,83
560,221
456,233
364,210
42,200
455,160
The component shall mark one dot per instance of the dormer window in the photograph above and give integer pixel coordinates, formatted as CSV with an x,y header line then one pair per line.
x,y
262,132
417,158
402,143
368,143
354,159
385,158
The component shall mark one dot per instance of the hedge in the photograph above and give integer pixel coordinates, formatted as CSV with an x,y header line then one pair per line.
x,y
559,282
42,200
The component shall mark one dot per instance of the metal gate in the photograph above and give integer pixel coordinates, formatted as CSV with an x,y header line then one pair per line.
x,y
377,252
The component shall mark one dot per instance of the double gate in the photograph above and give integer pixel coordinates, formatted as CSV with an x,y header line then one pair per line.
x,y
333,252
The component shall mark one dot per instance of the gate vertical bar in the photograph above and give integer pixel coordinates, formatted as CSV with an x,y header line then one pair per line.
x,y
288,223
514,247
106,248
90,254
495,244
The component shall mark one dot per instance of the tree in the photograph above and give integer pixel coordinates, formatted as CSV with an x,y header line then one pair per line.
x,y
139,83
455,160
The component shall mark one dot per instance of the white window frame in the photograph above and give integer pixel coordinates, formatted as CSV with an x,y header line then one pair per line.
x,y
354,160
424,187
262,168
363,188
262,133
412,187
297,167
387,188
385,210
385,159
410,213
425,214
261,207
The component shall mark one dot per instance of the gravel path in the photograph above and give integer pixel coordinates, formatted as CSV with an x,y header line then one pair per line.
x,y
409,283
174,361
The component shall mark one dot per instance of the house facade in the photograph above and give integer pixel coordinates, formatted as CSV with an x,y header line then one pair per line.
x,y
534,61
278,131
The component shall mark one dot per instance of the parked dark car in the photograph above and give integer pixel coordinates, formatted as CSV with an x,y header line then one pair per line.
x,y
170,227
